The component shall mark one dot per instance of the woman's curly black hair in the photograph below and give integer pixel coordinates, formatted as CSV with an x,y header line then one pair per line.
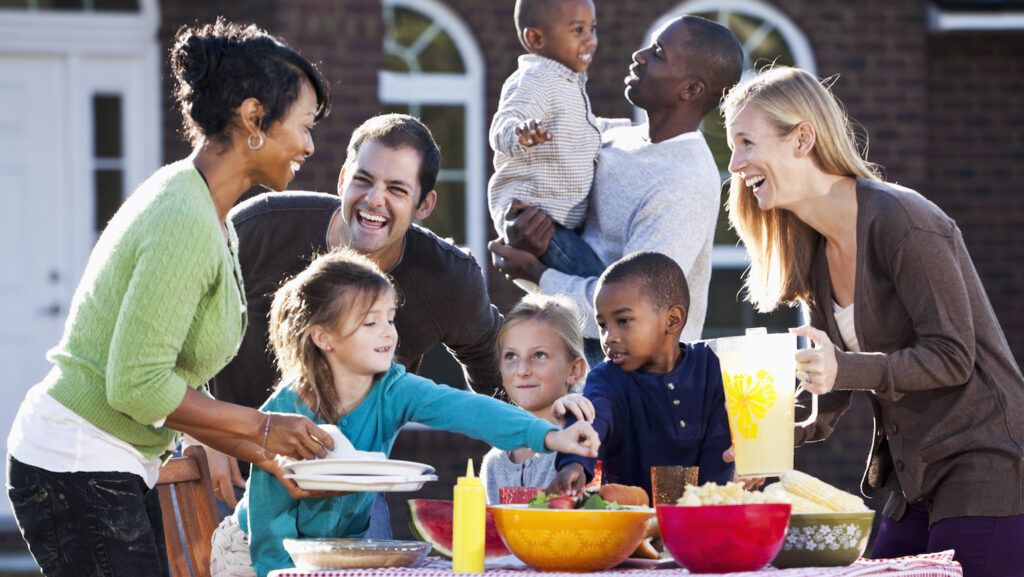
x,y
217,66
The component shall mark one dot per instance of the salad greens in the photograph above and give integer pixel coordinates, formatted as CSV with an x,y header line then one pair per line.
x,y
596,502
542,501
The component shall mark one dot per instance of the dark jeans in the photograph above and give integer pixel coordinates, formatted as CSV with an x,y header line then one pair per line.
x,y
569,253
985,546
88,524
380,520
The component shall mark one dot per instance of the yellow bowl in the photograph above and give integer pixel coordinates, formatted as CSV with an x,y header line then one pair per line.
x,y
570,540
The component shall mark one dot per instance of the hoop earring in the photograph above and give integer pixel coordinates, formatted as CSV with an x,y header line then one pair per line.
x,y
259,143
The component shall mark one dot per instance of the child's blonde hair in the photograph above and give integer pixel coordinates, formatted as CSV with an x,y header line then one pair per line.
x,y
336,287
557,312
781,246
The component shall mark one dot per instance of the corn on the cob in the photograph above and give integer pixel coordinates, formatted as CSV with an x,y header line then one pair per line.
x,y
816,490
775,491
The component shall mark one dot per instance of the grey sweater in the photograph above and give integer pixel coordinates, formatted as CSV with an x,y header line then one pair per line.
x,y
661,197
945,388
498,471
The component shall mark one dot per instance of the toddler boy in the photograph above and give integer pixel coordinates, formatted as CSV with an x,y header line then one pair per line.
x,y
657,401
544,135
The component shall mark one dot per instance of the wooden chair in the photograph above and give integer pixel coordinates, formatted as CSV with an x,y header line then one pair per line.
x,y
192,503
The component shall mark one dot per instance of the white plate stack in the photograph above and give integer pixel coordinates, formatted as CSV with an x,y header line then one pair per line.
x,y
347,469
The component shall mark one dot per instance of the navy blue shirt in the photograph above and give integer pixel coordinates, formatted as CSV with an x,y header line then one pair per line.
x,y
649,419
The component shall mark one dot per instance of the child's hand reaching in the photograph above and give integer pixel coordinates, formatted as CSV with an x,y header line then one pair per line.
x,y
532,133
570,480
579,439
577,404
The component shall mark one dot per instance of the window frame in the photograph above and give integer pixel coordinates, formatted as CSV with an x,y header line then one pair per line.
x,y
725,256
68,30
454,89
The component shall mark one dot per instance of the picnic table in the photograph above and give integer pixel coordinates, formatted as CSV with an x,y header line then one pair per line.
x,y
928,565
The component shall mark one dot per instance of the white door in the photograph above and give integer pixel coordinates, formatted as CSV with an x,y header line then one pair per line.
x,y
76,136
33,271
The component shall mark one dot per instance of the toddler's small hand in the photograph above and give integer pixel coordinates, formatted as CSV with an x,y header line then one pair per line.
x,y
580,406
532,133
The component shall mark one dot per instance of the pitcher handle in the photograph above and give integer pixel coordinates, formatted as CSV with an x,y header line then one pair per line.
x,y
814,408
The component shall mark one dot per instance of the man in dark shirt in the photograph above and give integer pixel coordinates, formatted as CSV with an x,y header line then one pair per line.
x,y
386,183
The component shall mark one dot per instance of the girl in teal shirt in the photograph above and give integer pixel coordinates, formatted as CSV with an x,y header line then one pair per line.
x,y
332,328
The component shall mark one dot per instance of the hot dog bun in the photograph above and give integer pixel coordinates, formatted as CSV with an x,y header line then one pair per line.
x,y
625,495
647,549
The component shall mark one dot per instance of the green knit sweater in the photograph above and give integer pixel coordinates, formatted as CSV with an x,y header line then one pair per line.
x,y
160,307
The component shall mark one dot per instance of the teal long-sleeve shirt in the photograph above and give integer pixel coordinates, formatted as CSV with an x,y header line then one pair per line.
x,y
269,515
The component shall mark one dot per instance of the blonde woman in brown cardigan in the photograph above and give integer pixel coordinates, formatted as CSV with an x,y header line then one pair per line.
x,y
897,311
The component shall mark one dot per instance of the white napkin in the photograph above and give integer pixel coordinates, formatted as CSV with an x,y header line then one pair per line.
x,y
343,448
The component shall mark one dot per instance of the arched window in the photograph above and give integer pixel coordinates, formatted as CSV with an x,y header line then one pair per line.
x,y
768,36
434,70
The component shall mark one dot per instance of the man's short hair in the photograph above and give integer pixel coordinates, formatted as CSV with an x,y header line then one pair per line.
x,y
663,282
532,14
400,131
716,56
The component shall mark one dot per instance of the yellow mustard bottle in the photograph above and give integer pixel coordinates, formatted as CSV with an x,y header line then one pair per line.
x,y
469,523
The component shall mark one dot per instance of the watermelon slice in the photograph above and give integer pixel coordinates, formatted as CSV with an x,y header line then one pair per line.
x,y
431,521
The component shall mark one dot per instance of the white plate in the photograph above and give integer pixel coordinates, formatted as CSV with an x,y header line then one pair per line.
x,y
360,484
635,563
358,467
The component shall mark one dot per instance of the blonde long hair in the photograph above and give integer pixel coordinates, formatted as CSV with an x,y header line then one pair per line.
x,y
781,246
559,314
336,287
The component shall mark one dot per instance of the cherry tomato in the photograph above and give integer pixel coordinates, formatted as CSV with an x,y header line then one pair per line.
x,y
562,502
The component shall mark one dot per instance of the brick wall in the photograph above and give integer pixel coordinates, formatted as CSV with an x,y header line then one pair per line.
x,y
344,39
976,158
942,113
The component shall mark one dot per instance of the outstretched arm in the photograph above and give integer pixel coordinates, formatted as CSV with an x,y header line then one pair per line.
x,y
523,105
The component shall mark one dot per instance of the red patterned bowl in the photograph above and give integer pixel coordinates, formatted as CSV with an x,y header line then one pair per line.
x,y
517,495
723,538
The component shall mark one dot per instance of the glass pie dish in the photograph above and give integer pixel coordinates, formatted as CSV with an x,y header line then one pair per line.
x,y
355,553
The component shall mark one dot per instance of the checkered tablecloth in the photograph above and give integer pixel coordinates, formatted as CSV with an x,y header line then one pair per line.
x,y
930,565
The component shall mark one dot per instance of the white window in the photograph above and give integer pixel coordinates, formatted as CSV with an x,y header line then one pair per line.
x,y
435,71
768,36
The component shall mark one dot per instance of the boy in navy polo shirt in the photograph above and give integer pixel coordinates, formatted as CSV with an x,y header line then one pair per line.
x,y
657,401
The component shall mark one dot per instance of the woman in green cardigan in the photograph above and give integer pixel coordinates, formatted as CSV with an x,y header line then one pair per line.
x,y
160,309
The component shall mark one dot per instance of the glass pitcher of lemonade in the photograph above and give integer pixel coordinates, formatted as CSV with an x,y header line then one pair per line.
x,y
759,376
